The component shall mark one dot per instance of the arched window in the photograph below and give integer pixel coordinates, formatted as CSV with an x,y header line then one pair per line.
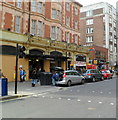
x,y
56,53
36,52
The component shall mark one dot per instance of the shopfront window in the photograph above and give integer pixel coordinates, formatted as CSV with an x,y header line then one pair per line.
x,y
80,58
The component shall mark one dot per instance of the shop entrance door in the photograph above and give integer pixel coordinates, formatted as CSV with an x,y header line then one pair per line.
x,y
35,60
35,63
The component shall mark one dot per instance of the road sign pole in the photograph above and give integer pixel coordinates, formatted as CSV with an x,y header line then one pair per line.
x,y
16,70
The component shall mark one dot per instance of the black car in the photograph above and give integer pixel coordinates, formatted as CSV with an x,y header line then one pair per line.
x,y
93,75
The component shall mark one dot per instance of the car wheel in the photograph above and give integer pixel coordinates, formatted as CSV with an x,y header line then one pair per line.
x,y
94,80
69,83
33,85
82,81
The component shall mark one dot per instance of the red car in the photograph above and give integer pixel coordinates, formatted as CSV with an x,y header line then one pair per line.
x,y
107,74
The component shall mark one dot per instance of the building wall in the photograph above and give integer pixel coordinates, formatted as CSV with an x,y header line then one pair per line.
x,y
100,55
8,66
104,28
47,66
10,36
10,11
98,27
103,51
83,32
117,30
98,31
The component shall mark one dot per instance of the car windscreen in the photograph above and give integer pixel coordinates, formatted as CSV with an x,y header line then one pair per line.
x,y
103,71
108,71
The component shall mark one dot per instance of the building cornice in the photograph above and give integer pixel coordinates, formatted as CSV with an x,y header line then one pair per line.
x,y
41,42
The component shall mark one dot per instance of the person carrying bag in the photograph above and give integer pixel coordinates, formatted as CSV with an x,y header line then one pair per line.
x,y
34,77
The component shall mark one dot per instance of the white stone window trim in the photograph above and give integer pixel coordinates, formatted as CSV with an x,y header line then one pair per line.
x,y
18,24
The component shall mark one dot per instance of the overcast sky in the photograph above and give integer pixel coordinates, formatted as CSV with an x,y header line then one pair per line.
x,y
88,2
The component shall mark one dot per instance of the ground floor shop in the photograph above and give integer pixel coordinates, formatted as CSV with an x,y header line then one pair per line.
x,y
39,53
31,61
9,65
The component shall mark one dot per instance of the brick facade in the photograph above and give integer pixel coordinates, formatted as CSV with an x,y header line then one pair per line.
x,y
23,16
98,27
11,11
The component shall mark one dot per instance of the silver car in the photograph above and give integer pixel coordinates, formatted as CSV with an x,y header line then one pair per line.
x,y
70,77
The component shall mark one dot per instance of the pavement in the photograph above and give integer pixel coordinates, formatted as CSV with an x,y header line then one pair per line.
x,y
25,89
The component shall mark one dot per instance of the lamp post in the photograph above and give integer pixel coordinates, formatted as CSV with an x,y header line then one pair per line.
x,y
117,51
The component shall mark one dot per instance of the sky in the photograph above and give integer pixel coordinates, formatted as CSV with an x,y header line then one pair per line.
x,y
89,2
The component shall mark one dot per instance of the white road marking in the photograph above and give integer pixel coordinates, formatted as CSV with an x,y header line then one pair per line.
x,y
78,100
43,96
101,92
111,103
69,99
35,95
93,91
89,100
91,108
59,98
90,83
100,102
39,94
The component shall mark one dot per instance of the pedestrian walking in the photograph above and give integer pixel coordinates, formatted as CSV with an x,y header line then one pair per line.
x,y
24,75
38,74
34,77
55,78
1,74
21,74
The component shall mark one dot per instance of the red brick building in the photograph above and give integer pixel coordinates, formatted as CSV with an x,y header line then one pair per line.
x,y
98,27
55,20
99,56
48,30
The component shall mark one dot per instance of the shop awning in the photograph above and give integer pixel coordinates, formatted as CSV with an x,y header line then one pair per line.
x,y
44,57
56,57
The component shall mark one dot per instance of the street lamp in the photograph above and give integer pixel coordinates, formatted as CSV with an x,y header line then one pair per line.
x,y
116,51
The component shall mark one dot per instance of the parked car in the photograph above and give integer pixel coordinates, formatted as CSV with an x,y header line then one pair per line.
x,y
107,74
70,77
93,75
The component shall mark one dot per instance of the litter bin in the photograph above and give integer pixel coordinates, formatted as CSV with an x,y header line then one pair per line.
x,y
4,86
48,78
45,78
